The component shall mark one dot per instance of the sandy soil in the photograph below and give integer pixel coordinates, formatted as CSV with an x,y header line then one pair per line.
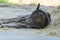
x,y
51,30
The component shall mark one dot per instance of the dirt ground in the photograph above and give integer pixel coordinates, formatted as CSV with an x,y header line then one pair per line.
x,y
53,29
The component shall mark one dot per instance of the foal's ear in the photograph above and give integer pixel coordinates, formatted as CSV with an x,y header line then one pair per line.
x,y
38,6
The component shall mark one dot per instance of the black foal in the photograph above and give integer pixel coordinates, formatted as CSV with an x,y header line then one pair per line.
x,y
39,19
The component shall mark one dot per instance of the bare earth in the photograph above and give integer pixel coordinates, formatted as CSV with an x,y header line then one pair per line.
x,y
12,12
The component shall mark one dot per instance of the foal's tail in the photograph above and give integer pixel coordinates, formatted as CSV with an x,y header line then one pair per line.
x,y
38,6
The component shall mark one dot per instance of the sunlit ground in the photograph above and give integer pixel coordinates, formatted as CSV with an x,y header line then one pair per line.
x,y
53,29
42,2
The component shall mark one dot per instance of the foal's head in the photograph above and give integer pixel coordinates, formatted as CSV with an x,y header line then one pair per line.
x,y
38,16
